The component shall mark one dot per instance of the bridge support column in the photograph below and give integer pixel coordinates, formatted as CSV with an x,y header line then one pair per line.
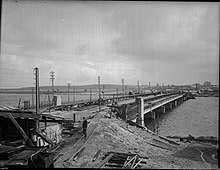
x,y
124,112
171,105
179,101
153,115
162,109
175,103
140,106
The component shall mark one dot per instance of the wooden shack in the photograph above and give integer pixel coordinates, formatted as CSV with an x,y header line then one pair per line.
x,y
17,145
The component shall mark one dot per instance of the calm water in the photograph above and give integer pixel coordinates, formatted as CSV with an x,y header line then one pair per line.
x,y
198,117
13,99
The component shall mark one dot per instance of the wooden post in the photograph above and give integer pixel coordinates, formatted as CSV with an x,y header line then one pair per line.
x,y
90,94
19,103
37,95
74,98
74,117
103,91
68,87
32,97
49,98
99,93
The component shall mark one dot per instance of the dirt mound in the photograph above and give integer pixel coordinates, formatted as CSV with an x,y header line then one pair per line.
x,y
123,139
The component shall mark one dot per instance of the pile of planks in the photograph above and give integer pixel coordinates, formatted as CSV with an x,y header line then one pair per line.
x,y
7,152
122,160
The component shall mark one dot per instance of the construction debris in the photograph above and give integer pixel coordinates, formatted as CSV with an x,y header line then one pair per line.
x,y
122,160
78,153
96,155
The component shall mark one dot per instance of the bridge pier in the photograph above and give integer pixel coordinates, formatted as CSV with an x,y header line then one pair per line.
x,y
175,103
140,108
168,106
179,102
162,109
153,115
171,106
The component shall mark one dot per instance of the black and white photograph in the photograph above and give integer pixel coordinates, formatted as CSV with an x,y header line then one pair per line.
x,y
109,84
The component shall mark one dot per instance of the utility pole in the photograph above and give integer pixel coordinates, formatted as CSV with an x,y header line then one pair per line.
x,y
99,93
68,93
90,94
122,82
138,87
37,94
48,94
103,90
32,97
125,90
52,79
74,95
117,91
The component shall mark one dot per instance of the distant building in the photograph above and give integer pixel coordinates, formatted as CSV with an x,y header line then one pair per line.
x,y
207,83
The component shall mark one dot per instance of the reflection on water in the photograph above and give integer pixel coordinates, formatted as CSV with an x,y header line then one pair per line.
x,y
198,117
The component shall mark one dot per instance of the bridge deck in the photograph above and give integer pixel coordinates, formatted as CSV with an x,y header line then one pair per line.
x,y
129,101
160,103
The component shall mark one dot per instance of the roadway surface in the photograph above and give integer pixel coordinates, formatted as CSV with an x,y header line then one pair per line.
x,y
65,157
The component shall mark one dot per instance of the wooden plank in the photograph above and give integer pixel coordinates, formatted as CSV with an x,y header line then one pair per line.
x,y
114,165
48,140
96,155
133,158
20,129
105,160
23,115
137,164
170,141
21,155
5,148
78,153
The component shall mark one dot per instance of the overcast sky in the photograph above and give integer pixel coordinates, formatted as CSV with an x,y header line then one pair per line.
x,y
157,42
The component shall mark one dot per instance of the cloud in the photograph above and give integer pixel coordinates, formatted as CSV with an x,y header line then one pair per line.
x,y
146,34
145,41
